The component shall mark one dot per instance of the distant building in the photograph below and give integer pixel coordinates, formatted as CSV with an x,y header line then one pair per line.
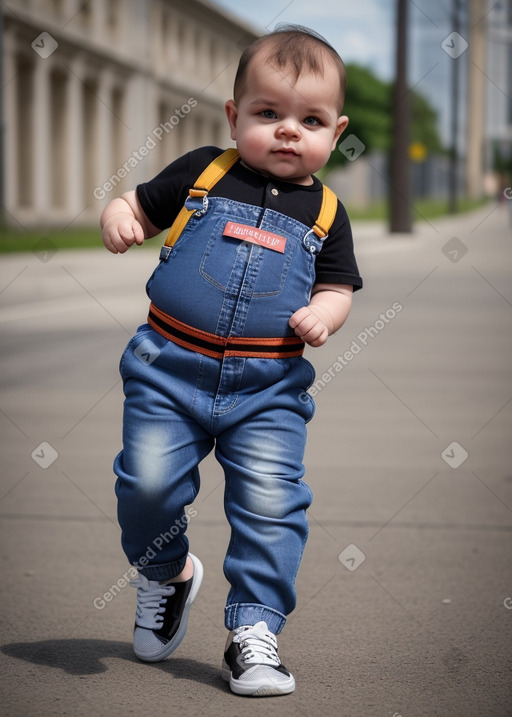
x,y
480,52
100,95
480,49
499,90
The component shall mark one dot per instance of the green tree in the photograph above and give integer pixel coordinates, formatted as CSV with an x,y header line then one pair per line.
x,y
368,105
424,124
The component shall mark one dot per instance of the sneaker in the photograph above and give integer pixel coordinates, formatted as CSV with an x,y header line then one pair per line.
x,y
251,664
162,614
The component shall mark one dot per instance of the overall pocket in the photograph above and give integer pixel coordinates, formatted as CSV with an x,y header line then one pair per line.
x,y
227,261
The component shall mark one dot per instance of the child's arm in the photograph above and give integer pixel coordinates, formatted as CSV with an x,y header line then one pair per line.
x,y
123,223
326,313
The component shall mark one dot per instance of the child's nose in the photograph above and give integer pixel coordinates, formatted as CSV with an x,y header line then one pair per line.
x,y
289,128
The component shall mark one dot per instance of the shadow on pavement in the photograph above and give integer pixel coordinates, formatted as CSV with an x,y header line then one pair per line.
x,y
84,657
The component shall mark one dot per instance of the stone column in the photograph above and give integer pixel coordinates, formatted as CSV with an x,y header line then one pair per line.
x,y
41,139
71,8
99,20
10,138
103,154
75,136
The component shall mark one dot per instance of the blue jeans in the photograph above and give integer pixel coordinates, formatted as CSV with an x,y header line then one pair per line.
x,y
179,406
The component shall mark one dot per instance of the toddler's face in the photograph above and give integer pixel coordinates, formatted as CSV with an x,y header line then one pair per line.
x,y
284,128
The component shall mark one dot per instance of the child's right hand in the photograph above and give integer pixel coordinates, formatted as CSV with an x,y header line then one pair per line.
x,y
120,231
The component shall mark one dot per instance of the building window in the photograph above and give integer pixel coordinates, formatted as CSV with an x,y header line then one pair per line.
x,y
85,13
58,139
118,126
91,138
113,17
25,120
57,7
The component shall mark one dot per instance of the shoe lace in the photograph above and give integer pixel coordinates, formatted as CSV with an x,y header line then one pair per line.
x,y
151,601
257,645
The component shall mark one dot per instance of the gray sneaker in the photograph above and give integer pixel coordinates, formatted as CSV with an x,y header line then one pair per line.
x,y
162,614
251,663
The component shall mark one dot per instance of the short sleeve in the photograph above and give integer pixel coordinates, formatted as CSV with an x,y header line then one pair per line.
x,y
163,196
336,263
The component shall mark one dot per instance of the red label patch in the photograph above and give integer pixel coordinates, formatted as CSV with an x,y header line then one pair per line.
x,y
261,237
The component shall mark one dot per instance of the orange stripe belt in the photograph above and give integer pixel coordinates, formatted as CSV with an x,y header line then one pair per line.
x,y
219,346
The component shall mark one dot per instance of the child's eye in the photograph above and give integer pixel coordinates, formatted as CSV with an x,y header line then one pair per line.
x,y
269,114
311,121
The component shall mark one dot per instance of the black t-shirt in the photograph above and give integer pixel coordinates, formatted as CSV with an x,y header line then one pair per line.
x,y
162,198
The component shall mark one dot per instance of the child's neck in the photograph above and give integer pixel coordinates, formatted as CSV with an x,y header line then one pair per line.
x,y
308,181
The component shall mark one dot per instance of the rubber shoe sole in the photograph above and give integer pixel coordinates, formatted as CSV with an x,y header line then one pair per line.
x,y
259,681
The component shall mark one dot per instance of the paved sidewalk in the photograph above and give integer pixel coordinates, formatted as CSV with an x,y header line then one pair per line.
x,y
405,591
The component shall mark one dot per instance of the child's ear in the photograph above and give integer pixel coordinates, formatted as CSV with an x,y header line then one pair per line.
x,y
341,126
232,115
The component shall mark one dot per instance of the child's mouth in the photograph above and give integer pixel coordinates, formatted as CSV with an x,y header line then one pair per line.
x,y
285,151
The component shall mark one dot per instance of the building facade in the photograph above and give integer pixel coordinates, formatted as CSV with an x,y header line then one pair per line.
x,y
463,66
499,93
100,95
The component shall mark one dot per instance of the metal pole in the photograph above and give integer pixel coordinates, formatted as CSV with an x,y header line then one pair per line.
x,y
2,125
400,190
454,152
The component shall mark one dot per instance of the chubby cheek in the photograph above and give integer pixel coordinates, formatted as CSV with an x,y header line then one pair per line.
x,y
318,153
252,141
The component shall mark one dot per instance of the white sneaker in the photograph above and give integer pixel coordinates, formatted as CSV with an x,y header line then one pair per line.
x,y
162,614
251,663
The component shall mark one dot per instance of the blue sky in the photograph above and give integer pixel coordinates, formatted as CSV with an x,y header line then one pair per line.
x,y
361,31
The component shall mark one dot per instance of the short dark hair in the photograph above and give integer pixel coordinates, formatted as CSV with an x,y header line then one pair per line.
x,y
292,46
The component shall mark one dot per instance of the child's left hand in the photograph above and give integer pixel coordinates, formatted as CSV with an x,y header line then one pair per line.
x,y
309,326
326,312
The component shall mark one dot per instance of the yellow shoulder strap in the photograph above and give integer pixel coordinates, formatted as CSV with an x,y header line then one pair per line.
x,y
206,180
327,213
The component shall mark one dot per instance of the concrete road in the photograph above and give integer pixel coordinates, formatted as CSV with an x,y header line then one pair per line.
x,y
405,591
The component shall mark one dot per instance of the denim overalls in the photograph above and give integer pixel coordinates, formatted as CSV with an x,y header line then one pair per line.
x,y
191,386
